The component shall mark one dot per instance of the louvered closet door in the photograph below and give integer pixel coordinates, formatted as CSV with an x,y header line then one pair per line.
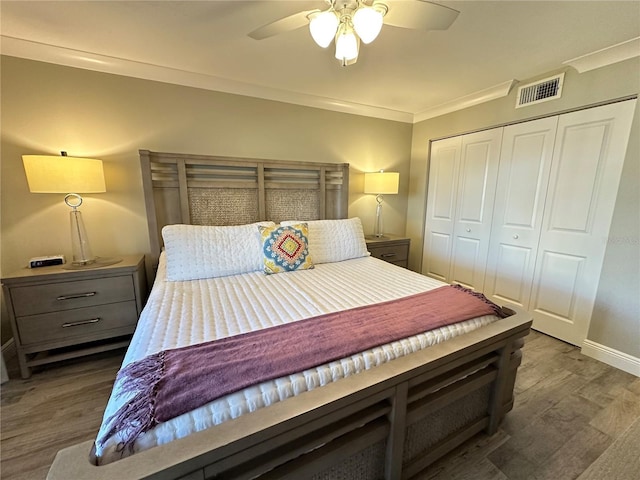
x,y
477,177
525,164
587,162
441,207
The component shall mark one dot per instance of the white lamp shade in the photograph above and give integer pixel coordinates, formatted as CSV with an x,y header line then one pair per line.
x,y
367,23
323,27
346,44
381,183
53,174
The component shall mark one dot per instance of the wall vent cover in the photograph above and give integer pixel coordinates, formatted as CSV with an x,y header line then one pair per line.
x,y
540,91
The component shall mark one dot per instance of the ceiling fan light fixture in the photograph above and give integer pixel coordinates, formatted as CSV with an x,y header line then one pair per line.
x,y
346,45
367,21
352,21
323,27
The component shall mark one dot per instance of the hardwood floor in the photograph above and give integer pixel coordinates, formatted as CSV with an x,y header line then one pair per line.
x,y
60,405
568,410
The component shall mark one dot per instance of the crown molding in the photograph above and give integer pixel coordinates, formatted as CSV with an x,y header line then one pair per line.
x,y
42,52
606,56
17,47
476,98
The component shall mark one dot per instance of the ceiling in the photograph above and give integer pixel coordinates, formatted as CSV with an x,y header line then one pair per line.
x,y
403,75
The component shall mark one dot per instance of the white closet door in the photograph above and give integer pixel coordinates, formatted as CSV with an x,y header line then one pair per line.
x,y
476,192
525,163
441,207
587,162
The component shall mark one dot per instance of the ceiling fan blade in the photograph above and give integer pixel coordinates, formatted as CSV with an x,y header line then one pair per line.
x,y
419,15
285,24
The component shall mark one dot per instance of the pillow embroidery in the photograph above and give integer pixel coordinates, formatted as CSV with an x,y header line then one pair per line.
x,y
285,249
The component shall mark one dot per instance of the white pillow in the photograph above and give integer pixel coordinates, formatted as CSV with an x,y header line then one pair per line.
x,y
199,251
335,240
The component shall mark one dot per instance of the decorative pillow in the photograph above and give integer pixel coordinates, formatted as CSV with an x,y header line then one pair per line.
x,y
335,240
285,248
197,251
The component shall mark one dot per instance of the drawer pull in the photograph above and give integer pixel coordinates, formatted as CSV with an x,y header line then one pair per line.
x,y
388,255
82,322
76,295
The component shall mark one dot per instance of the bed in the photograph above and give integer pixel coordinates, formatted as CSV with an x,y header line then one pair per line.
x,y
387,411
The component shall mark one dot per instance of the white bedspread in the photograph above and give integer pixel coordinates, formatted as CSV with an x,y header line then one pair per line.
x,y
184,313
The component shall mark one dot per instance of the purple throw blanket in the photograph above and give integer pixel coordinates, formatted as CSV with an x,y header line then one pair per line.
x,y
172,382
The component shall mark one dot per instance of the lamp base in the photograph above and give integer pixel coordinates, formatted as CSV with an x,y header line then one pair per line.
x,y
83,263
377,237
97,262
377,229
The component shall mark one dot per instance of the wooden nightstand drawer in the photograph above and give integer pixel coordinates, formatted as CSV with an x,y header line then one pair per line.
x,y
88,322
55,297
391,253
390,248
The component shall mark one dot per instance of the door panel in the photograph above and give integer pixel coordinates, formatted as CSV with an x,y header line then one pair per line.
x,y
575,196
587,163
468,263
444,167
441,207
439,247
474,169
511,281
476,194
559,289
525,164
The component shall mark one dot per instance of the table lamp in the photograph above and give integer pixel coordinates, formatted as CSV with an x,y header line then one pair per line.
x,y
63,174
380,183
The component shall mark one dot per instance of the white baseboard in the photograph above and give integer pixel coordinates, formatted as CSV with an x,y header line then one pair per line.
x,y
610,356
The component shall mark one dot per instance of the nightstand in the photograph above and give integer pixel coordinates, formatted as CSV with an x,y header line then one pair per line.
x,y
390,248
58,314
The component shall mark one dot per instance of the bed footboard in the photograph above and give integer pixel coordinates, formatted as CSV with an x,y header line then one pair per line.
x,y
389,422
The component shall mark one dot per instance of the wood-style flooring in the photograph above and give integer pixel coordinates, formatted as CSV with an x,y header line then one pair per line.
x,y
568,411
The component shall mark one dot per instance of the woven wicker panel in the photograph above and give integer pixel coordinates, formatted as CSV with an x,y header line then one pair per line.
x,y
292,204
368,464
434,427
223,206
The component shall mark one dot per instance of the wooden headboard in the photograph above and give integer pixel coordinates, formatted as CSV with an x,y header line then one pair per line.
x,y
209,190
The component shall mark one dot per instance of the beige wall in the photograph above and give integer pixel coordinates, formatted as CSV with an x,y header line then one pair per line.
x,y
616,319
47,108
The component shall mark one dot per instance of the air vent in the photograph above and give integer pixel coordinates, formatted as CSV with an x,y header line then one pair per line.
x,y
540,91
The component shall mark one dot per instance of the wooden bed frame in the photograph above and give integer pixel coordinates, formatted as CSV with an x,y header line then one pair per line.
x,y
389,422
206,190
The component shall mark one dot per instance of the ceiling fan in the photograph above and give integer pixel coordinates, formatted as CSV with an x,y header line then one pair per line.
x,y
351,21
